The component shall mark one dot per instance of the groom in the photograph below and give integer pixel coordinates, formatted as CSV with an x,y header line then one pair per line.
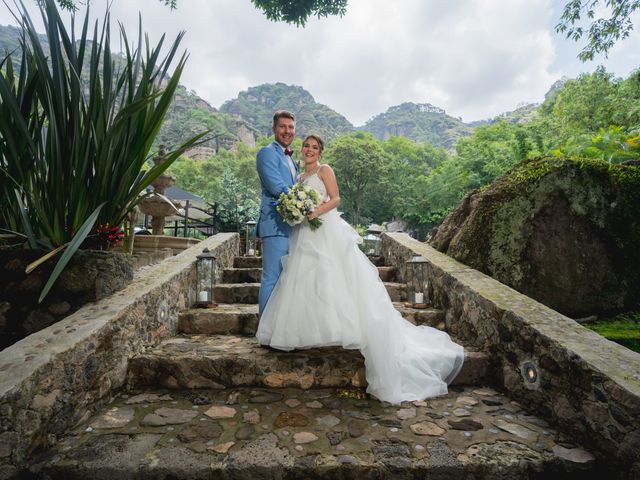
x,y
277,173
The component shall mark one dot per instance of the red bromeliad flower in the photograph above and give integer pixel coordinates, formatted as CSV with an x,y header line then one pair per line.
x,y
108,237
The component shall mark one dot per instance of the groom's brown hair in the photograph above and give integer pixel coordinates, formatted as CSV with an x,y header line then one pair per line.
x,y
282,114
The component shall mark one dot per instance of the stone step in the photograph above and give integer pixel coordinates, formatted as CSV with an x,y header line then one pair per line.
x,y
377,260
241,275
224,361
247,262
248,292
397,291
252,275
387,274
226,319
312,434
236,292
242,319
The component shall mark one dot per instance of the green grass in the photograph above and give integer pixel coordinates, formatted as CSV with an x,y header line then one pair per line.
x,y
623,329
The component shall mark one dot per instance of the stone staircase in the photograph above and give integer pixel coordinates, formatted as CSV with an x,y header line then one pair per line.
x,y
211,403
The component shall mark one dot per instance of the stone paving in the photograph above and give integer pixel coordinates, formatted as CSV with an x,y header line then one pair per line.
x,y
233,410
318,433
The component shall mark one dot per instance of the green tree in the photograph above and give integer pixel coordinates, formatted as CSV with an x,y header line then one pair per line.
x,y
586,104
602,33
237,203
276,10
360,165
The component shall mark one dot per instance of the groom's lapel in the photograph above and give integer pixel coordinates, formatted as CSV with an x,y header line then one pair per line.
x,y
285,162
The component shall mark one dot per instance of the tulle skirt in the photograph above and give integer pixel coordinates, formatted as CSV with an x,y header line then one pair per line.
x,y
329,294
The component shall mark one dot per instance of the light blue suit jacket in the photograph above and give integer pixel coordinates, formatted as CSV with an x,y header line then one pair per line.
x,y
275,178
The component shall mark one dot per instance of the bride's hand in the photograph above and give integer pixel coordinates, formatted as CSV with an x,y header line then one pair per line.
x,y
313,214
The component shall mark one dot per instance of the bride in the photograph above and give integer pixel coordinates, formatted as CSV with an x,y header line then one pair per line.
x,y
329,293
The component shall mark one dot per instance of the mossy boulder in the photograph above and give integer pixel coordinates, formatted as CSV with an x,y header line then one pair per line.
x,y
564,231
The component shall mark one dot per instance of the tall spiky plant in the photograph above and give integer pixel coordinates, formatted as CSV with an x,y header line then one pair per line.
x,y
76,129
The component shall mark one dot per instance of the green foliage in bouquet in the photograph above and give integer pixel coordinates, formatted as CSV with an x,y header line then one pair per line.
x,y
76,129
297,203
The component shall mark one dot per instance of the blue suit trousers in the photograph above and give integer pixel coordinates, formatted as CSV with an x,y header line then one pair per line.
x,y
273,249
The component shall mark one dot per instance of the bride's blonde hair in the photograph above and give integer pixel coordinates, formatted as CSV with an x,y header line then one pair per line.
x,y
317,139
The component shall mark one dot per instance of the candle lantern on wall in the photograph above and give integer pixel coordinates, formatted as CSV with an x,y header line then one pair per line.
x,y
372,243
250,239
205,279
416,284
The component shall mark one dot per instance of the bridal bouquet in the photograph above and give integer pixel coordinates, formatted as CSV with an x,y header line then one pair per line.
x,y
295,205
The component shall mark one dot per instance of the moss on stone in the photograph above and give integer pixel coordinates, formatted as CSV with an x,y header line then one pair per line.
x,y
602,199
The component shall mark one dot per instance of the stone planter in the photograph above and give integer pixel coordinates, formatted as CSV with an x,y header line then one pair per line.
x,y
90,276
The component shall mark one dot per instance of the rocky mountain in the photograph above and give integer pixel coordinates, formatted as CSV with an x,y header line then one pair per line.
x,y
189,115
9,39
257,104
421,122
247,117
523,113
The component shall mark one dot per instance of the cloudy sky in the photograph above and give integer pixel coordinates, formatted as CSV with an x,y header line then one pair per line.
x,y
474,58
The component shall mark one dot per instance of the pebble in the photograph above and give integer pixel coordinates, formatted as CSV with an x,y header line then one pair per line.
x,y
464,424
419,447
467,434
515,429
467,401
393,429
244,433
347,460
220,412
299,448
406,413
461,412
292,402
314,404
575,455
327,421
252,417
232,398
264,396
427,428
290,419
223,447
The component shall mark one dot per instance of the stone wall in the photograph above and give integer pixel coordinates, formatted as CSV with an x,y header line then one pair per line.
x,y
90,275
50,380
586,384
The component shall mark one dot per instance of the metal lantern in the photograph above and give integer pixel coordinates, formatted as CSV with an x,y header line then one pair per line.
x,y
205,278
250,239
416,286
372,243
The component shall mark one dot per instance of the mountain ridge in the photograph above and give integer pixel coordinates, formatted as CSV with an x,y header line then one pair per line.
x,y
247,117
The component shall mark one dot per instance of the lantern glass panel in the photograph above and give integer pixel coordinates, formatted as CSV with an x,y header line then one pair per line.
x,y
205,277
372,244
416,285
250,242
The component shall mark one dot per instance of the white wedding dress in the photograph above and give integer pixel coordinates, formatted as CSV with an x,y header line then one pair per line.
x,y
329,293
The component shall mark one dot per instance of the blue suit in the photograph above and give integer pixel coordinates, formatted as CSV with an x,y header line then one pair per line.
x,y
275,178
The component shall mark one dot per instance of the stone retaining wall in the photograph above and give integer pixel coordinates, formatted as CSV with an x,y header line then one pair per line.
x,y
49,381
588,385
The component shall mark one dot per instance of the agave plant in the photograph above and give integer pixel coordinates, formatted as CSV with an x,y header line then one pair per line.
x,y
77,124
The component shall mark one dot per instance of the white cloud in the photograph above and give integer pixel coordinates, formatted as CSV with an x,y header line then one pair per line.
x,y
473,58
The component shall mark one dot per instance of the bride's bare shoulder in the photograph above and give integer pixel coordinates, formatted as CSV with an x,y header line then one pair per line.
x,y
325,169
